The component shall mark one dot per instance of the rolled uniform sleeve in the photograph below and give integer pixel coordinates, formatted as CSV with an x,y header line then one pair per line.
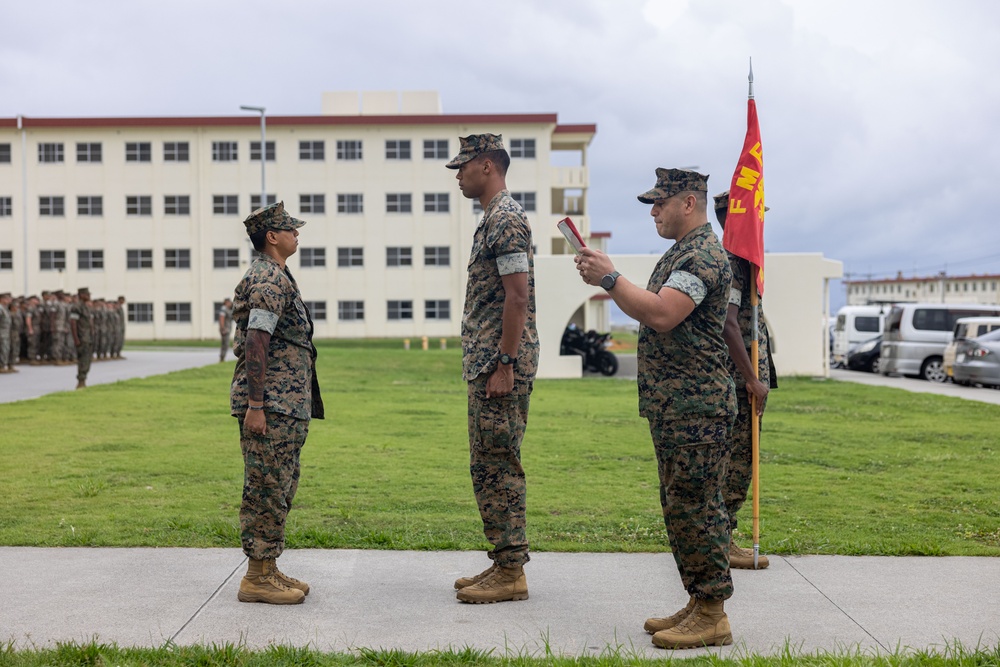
x,y
690,284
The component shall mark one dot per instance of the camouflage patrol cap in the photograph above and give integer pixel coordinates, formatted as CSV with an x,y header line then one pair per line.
x,y
6,295
722,207
273,216
671,181
83,291
475,145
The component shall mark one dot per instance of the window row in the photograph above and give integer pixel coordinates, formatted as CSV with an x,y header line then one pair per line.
x,y
226,258
347,311
351,203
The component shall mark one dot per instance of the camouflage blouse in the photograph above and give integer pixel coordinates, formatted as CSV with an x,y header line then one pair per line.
x,y
501,246
267,298
739,295
682,372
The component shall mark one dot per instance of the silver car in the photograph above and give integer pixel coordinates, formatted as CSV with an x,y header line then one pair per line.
x,y
977,360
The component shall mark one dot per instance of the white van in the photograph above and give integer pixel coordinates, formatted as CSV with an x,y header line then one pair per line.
x,y
917,333
855,325
965,328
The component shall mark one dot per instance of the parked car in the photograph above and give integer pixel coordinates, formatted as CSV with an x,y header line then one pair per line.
x,y
966,327
977,360
855,325
916,334
866,356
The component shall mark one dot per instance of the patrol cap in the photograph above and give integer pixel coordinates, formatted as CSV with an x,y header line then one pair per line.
x,y
671,181
475,145
5,295
83,291
273,216
722,207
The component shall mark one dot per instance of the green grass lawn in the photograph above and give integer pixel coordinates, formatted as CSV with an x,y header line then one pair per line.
x,y
846,469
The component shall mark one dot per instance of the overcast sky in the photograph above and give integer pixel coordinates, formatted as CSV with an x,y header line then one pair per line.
x,y
879,118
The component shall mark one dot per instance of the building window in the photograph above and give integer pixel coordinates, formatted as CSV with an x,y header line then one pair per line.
x,y
51,260
140,312
89,260
176,204
226,204
317,310
353,203
399,203
396,149
139,205
435,149
312,203
522,148
51,206
50,152
178,312
312,150
399,256
177,258
5,207
437,256
349,150
437,310
311,258
176,151
138,259
90,205
138,151
525,199
350,311
4,153
88,152
436,202
225,151
225,258
399,310
255,151
350,257
6,260
255,201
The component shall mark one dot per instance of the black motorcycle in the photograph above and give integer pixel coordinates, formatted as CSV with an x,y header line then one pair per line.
x,y
592,346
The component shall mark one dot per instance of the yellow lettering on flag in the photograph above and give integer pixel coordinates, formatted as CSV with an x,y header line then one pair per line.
x,y
736,206
747,178
757,153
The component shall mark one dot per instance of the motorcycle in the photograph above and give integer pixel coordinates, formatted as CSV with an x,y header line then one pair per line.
x,y
592,346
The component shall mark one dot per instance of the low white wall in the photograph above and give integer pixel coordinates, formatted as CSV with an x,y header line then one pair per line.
x,y
796,303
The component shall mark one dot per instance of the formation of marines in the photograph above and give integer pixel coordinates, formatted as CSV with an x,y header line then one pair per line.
x,y
39,331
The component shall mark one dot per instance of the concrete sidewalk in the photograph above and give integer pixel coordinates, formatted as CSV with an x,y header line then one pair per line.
x,y
580,604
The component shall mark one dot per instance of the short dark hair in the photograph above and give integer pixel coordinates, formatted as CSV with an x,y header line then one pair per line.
x,y
259,239
499,157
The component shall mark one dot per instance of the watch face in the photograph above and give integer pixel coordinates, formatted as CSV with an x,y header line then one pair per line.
x,y
608,281
505,359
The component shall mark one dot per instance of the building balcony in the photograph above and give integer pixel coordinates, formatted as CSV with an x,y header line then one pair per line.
x,y
569,177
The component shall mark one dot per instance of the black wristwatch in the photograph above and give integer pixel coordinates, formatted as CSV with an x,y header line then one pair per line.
x,y
608,281
506,360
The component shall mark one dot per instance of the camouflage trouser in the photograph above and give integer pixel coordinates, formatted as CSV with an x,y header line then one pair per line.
x,y
270,480
5,349
691,458
59,351
224,349
33,346
496,428
83,354
740,469
70,347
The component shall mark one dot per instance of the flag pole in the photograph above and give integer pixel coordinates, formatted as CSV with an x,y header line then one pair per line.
x,y
754,360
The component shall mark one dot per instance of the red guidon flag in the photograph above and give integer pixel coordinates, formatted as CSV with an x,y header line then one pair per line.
x,y
744,232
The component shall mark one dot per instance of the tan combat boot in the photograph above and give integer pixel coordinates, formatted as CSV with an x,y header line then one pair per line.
x,y
291,582
504,583
462,582
706,625
742,559
654,625
81,384
261,584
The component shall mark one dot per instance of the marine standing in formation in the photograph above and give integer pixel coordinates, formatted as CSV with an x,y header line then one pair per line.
x,y
82,324
499,362
687,396
738,334
225,327
6,326
274,394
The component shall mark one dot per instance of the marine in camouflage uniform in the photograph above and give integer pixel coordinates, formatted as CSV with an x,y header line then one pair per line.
x,y
225,318
32,330
16,332
686,394
81,321
499,365
274,395
739,334
119,309
61,352
6,326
